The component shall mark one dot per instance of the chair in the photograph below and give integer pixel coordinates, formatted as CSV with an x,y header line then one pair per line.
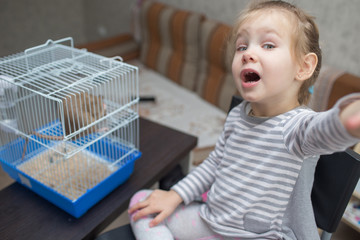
x,y
120,233
336,176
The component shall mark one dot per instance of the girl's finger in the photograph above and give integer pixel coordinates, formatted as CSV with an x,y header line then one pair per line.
x,y
144,212
158,219
138,206
354,121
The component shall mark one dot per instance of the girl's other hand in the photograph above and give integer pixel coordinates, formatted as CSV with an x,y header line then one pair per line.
x,y
350,117
162,202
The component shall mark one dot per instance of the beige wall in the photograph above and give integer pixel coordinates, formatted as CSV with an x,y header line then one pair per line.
x,y
26,23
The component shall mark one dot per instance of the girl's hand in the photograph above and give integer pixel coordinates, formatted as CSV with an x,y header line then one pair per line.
x,y
350,117
162,202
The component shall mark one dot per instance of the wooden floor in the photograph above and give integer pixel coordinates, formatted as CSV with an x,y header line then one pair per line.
x,y
343,232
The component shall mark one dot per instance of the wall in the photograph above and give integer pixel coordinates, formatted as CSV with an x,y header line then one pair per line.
x,y
25,25
106,18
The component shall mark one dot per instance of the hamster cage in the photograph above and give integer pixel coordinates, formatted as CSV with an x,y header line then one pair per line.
x,y
68,122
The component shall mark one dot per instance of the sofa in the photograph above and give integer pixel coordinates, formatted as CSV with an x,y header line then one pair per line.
x,y
185,64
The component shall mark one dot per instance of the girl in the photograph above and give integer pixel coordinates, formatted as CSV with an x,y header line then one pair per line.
x,y
261,172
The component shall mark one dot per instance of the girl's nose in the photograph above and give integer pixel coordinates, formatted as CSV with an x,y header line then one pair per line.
x,y
248,57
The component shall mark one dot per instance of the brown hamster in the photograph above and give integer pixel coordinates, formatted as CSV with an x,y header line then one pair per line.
x,y
80,110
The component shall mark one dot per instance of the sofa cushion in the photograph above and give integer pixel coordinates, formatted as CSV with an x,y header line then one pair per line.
x,y
345,84
331,85
322,88
170,41
215,82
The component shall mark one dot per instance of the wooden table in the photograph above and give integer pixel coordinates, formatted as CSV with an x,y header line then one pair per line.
x,y
25,215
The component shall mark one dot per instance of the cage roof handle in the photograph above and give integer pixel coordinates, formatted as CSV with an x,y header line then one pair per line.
x,y
49,42
110,62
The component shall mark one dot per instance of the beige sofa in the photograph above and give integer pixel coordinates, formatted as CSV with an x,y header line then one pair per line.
x,y
185,64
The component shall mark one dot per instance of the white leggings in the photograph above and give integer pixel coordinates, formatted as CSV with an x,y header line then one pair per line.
x,y
184,223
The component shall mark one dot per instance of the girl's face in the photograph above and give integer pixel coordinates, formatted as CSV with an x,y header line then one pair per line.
x,y
264,66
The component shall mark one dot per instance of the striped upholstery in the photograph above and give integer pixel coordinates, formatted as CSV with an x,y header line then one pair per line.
x,y
344,85
322,88
170,42
215,83
331,85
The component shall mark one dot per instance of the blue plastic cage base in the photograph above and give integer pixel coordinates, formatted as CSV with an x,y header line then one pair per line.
x,y
67,193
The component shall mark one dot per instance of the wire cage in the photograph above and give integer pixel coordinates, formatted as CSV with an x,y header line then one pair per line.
x,y
68,122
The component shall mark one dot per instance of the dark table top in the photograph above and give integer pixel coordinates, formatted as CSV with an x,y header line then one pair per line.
x,y
25,215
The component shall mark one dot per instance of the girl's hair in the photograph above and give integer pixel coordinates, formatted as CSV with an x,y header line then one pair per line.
x,y
305,35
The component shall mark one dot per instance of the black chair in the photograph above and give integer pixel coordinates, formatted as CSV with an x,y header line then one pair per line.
x,y
120,233
336,176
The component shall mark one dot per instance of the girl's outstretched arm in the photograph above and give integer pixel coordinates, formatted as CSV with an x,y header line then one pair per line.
x,y
162,202
350,117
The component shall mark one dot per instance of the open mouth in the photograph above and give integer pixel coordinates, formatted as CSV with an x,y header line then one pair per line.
x,y
251,77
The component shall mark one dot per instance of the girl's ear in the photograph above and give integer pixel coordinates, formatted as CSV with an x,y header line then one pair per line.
x,y
307,67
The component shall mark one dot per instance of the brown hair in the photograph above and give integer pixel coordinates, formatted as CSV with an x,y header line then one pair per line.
x,y
305,36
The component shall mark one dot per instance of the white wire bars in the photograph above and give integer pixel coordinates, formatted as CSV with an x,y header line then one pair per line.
x,y
68,118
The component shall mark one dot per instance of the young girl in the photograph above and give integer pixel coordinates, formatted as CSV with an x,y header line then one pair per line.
x,y
261,172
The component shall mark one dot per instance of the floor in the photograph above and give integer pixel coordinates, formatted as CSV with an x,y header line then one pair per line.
x,y
343,232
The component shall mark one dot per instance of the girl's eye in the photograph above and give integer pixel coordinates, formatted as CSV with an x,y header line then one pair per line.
x,y
241,48
268,46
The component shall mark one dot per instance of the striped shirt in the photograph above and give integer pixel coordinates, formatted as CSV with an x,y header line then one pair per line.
x,y
254,169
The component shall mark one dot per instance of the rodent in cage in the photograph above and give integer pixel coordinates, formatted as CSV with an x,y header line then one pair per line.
x,y
80,109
